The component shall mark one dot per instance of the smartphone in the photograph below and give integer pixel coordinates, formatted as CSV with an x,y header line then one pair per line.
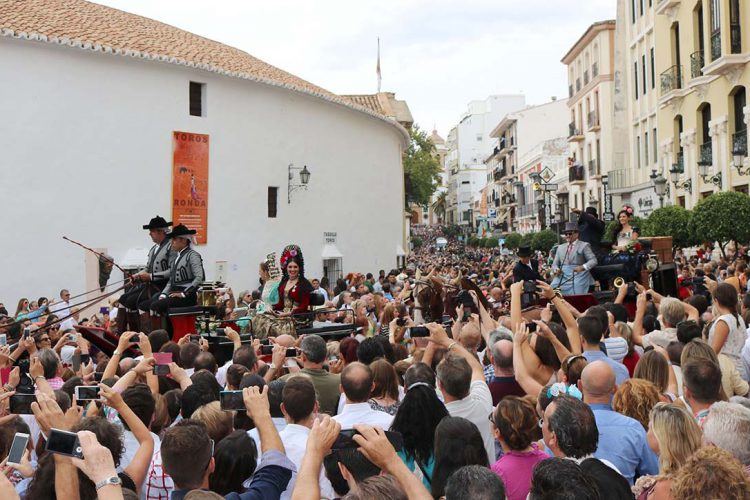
x,y
20,404
135,338
195,338
3,339
231,400
162,363
17,448
26,332
64,443
419,331
266,350
87,392
531,326
72,337
265,342
345,440
291,352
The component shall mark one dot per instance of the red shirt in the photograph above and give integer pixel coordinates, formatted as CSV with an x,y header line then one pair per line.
x,y
299,293
630,361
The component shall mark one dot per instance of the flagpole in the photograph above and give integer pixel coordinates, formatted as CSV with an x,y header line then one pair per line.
x,y
377,70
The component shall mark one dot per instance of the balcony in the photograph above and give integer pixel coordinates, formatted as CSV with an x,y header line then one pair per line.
x,y
696,64
706,154
527,211
594,168
671,79
735,38
586,77
594,70
508,199
593,120
715,45
574,133
499,174
576,174
619,179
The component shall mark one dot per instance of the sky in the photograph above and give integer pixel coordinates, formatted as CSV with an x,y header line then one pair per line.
x,y
436,54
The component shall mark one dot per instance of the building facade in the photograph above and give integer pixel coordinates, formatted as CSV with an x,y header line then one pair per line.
x,y
703,62
524,142
591,70
636,138
98,95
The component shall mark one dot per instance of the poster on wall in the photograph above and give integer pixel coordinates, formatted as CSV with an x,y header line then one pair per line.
x,y
190,182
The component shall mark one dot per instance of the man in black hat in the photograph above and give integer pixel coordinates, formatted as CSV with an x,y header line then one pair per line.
x,y
136,302
526,269
185,276
590,228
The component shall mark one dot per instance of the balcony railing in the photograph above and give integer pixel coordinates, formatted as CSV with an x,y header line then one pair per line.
x,y
706,154
593,119
594,70
593,167
497,202
508,199
680,162
715,45
576,173
739,143
586,77
573,131
619,179
696,64
735,37
671,79
527,210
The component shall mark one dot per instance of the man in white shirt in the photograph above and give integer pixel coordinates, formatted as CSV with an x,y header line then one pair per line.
x,y
62,310
357,383
461,381
300,409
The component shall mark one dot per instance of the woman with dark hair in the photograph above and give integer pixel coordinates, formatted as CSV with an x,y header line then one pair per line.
x,y
384,394
417,419
515,425
294,289
728,332
624,233
235,460
457,443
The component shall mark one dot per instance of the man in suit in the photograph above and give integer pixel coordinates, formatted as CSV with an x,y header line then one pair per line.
x,y
526,269
590,228
185,276
572,263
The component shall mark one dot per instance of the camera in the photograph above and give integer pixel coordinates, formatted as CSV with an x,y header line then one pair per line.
x,y
465,299
529,286
64,443
529,296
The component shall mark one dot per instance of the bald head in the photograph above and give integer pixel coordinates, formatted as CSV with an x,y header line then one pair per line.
x,y
470,338
356,382
502,354
285,340
496,293
598,382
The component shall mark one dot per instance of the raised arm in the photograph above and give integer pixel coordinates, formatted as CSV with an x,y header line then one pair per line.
x,y
571,325
322,436
439,336
524,379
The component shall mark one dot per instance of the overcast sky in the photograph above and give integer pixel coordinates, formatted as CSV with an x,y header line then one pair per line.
x,y
437,55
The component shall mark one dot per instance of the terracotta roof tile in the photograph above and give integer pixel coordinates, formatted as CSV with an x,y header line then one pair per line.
x,y
88,25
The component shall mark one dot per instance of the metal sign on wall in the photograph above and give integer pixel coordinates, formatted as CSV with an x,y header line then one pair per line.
x,y
190,182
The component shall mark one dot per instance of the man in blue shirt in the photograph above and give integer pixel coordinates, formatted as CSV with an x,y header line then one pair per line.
x,y
622,440
592,330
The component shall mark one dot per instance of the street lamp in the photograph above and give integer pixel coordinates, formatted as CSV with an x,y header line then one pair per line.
x,y
706,175
660,186
304,177
739,152
674,176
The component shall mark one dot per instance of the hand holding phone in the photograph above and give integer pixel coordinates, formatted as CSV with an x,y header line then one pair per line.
x,y
162,363
64,443
231,401
87,393
18,448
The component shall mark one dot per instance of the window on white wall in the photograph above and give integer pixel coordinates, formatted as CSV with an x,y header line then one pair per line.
x,y
197,99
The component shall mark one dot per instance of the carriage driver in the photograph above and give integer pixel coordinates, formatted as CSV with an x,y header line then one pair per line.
x,y
185,276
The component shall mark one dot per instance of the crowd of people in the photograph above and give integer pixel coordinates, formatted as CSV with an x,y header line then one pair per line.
x,y
500,402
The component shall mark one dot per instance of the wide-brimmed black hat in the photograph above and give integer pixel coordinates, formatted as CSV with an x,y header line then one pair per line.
x,y
157,222
524,251
570,227
181,230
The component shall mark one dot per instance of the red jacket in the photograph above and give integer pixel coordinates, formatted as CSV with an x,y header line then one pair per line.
x,y
299,293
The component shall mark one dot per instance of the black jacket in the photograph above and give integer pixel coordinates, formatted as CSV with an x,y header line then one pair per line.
x,y
591,230
521,271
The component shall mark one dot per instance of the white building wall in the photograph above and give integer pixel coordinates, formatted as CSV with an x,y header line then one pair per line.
x,y
87,153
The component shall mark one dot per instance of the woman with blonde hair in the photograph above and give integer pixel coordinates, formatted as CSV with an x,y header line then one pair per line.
x,y
635,398
711,473
674,436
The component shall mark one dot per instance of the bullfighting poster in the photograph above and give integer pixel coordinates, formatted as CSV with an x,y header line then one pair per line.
x,y
190,182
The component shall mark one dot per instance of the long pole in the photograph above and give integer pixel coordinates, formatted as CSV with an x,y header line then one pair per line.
x,y
98,254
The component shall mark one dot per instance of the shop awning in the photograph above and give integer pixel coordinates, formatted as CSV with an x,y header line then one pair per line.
x,y
330,251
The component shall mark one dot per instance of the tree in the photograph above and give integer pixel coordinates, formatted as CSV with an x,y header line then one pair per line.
x,y
421,168
527,240
671,221
544,240
722,217
440,205
512,241
416,241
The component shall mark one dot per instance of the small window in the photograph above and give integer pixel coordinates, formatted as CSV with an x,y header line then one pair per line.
x,y
197,94
273,195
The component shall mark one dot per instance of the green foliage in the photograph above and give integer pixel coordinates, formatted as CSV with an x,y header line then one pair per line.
x,y
416,241
544,240
421,168
722,217
671,221
527,240
452,231
512,241
489,242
